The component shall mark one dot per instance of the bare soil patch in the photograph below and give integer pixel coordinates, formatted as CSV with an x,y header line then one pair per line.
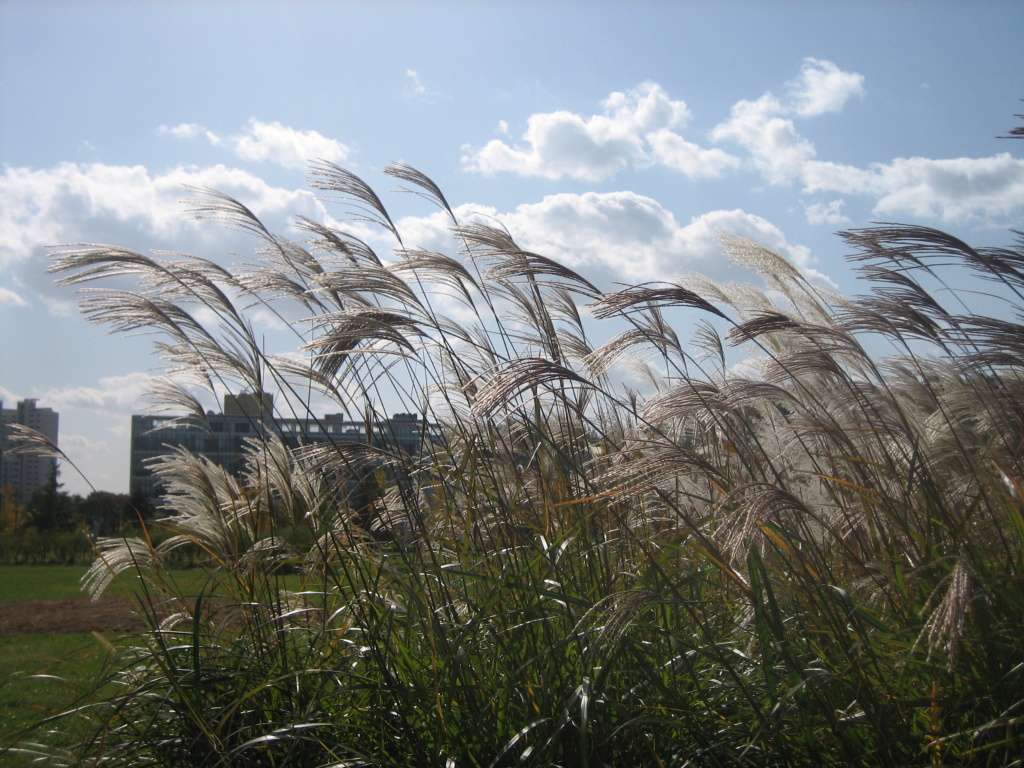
x,y
109,614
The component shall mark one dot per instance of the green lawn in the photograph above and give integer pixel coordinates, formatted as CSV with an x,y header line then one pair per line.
x,y
40,582
56,582
41,675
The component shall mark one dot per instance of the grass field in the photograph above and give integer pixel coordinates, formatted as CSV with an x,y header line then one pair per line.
x,y
41,675
19,583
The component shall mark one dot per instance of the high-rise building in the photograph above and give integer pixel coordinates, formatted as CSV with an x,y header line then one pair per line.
x,y
220,437
24,473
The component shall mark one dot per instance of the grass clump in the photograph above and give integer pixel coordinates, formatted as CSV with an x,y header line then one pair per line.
x,y
816,564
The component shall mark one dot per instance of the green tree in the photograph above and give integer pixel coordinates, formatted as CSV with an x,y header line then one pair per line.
x,y
51,509
105,512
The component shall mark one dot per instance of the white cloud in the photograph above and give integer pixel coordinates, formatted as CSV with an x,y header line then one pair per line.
x,y
673,151
73,202
614,237
562,143
9,298
949,190
128,206
264,318
823,87
417,89
286,146
830,213
775,147
641,128
269,142
74,445
764,126
955,189
181,131
113,393
621,234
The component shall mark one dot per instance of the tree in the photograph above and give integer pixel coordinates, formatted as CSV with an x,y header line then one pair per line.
x,y
12,512
51,509
104,512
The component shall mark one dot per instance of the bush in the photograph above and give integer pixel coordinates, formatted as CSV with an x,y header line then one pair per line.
x,y
819,564
46,547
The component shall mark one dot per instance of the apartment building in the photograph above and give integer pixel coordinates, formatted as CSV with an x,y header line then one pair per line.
x,y
24,473
221,437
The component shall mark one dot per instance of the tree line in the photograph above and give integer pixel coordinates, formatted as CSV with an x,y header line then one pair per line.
x,y
51,509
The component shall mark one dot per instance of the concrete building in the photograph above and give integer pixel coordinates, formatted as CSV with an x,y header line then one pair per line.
x,y
221,437
24,473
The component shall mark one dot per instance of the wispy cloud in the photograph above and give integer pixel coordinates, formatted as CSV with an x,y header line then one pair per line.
x,y
82,445
830,213
119,393
9,298
415,88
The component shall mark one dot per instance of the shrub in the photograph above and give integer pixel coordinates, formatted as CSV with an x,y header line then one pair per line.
x,y
817,564
46,547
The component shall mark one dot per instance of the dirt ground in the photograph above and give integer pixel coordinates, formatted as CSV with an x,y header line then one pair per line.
x,y
108,614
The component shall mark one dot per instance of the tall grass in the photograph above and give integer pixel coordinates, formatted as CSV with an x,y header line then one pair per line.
x,y
819,563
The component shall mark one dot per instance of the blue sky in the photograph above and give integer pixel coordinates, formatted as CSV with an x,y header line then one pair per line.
x,y
620,138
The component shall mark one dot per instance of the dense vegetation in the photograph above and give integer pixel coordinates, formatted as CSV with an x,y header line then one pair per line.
x,y
54,526
820,562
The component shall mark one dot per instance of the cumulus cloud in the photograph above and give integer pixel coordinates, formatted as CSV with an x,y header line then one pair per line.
x,y
950,190
634,130
73,202
286,146
615,237
641,128
955,189
764,126
126,205
673,151
823,87
269,142
775,147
